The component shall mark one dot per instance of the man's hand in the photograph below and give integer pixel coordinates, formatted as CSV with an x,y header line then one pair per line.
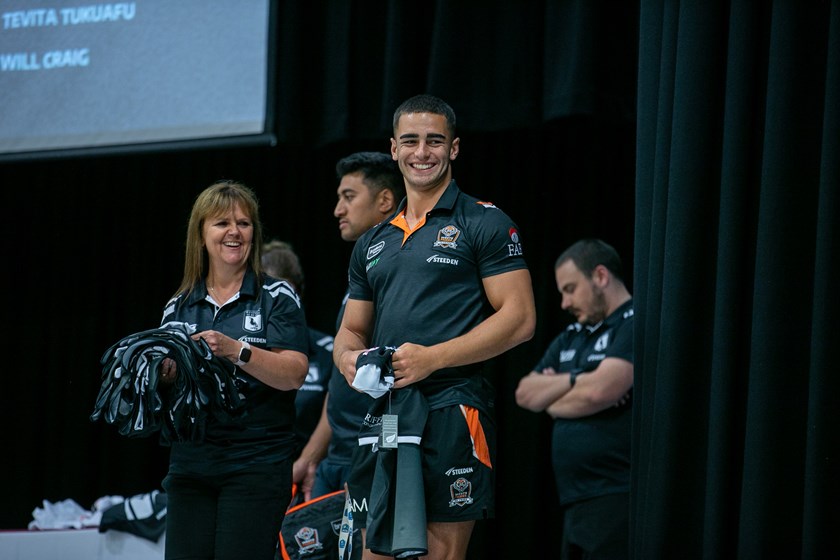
x,y
412,363
303,474
347,364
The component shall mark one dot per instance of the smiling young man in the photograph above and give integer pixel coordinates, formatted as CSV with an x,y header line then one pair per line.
x,y
583,381
444,282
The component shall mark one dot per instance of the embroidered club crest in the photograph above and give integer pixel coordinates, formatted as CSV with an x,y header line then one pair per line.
x,y
252,322
460,491
447,237
307,540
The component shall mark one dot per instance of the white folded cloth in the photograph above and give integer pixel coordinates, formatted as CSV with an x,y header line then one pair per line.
x,y
374,374
67,514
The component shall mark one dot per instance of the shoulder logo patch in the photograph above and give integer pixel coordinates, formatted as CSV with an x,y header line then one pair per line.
x,y
514,248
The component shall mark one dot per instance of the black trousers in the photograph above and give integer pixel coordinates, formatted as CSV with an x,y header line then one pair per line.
x,y
597,529
228,516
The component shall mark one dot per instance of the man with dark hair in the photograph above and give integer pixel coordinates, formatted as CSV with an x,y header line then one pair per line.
x,y
444,281
584,381
370,188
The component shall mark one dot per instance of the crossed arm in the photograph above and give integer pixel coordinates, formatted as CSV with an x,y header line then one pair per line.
x,y
594,391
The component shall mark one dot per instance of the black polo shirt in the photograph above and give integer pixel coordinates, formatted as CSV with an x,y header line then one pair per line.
x,y
309,402
591,455
267,315
427,287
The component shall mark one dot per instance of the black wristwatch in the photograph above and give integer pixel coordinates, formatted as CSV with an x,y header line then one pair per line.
x,y
244,354
573,376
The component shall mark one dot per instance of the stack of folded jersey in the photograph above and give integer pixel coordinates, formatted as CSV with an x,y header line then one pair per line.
x,y
130,396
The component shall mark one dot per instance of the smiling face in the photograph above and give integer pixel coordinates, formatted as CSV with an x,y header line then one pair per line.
x,y
228,237
424,148
582,296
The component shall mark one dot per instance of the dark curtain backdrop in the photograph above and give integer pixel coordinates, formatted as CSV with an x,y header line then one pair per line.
x,y
700,139
735,439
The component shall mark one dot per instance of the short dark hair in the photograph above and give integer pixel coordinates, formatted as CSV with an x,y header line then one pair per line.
x,y
280,260
588,254
379,169
425,103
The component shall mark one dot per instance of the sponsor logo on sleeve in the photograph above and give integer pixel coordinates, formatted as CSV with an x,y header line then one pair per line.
x,y
514,248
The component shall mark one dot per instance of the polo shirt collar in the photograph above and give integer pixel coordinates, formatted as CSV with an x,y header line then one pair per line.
x,y
445,202
614,318
248,289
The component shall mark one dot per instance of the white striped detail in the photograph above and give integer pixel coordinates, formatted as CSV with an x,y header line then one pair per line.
x,y
282,287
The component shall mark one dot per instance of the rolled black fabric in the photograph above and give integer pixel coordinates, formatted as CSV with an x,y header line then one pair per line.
x,y
396,522
129,396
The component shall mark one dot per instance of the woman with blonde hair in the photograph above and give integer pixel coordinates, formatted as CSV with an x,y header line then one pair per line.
x,y
227,493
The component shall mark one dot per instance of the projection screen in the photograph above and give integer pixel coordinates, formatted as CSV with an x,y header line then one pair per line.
x,y
91,77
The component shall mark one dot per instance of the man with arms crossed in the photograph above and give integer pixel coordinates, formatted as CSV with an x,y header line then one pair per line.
x,y
584,381
444,282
